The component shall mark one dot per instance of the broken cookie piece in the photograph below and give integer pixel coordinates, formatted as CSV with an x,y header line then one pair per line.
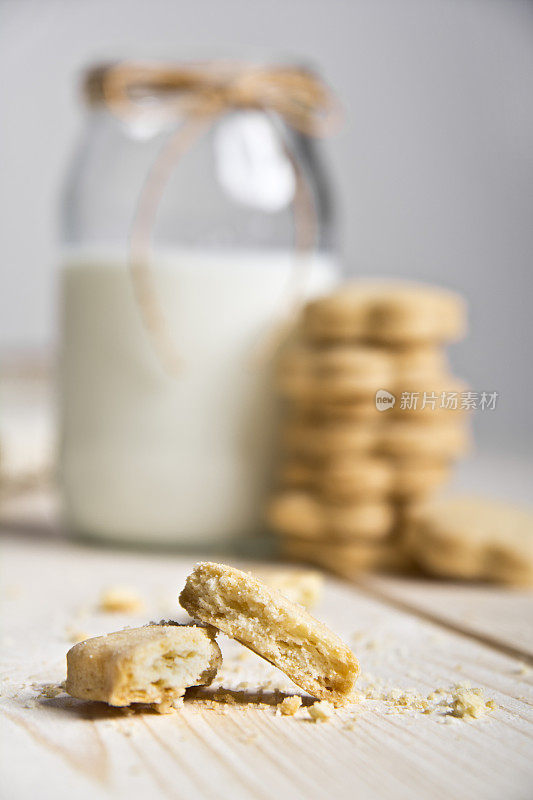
x,y
154,664
321,711
290,705
279,631
470,703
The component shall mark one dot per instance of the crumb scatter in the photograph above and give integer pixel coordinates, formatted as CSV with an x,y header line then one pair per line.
x,y
321,711
290,705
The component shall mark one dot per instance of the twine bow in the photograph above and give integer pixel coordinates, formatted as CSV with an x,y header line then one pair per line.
x,y
196,95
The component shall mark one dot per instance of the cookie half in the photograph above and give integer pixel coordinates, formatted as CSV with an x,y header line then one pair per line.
x,y
279,631
154,664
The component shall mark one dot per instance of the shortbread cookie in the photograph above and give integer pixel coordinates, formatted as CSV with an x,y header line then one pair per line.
x,y
302,514
279,631
154,664
295,513
416,478
438,441
345,477
334,374
432,396
421,399
312,411
432,440
474,538
354,478
349,478
391,313
296,473
326,439
421,359
348,560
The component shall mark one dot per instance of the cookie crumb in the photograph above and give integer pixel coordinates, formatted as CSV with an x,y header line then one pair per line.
x,y
290,705
321,711
120,599
49,690
469,703
166,707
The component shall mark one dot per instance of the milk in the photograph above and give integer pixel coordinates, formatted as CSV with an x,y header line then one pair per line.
x,y
150,457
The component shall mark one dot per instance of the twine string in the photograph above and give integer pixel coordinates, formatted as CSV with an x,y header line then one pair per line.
x,y
198,95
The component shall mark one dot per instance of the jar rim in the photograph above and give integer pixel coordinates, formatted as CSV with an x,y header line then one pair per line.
x,y
152,77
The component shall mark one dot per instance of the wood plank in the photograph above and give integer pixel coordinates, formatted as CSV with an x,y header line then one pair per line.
x,y
498,616
241,749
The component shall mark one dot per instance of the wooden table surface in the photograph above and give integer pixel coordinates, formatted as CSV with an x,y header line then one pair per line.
x,y
408,634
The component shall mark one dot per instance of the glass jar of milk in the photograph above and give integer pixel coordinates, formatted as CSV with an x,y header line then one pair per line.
x,y
150,455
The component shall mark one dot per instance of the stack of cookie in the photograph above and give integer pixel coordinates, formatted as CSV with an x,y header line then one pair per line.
x,y
374,420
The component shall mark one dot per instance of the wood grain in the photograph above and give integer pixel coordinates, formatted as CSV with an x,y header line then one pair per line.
x,y
58,747
499,617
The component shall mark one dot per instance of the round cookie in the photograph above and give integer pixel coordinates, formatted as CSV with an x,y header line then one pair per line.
x,y
419,396
295,513
415,478
333,374
299,514
421,359
348,560
296,473
473,538
398,313
432,396
437,441
354,478
359,520
317,441
317,411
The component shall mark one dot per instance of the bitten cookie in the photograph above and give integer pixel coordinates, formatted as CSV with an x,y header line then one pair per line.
x,y
473,538
301,514
279,631
154,664
394,313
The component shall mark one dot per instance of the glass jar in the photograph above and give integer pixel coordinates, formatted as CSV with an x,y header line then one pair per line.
x,y
147,454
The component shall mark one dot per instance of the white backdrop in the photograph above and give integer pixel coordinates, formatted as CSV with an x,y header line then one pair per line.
x,y
434,168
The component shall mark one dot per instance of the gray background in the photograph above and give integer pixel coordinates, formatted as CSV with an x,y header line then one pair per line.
x,y
434,168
